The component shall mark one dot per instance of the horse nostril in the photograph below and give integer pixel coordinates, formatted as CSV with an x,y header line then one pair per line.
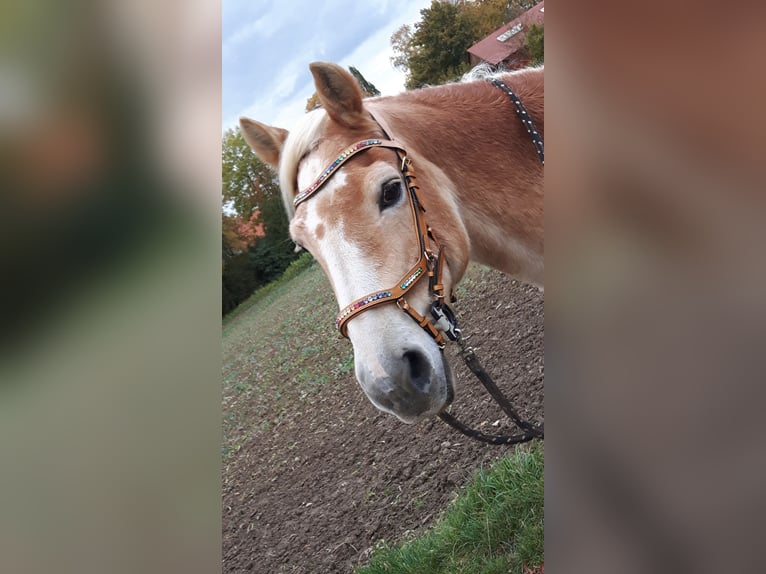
x,y
419,370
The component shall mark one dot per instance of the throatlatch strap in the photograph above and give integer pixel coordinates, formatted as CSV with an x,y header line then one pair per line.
x,y
430,263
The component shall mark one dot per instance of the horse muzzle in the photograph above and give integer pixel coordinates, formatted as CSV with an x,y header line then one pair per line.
x,y
412,385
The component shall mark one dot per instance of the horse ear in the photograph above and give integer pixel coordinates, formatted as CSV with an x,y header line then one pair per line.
x,y
265,141
339,93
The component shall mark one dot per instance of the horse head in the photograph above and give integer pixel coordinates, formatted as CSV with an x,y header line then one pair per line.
x,y
358,222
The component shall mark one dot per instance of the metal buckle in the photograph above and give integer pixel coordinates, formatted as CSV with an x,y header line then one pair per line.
x,y
445,320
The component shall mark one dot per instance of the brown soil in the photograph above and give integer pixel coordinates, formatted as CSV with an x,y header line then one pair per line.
x,y
335,477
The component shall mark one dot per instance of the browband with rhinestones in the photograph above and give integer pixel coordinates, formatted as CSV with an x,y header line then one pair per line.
x,y
339,161
425,263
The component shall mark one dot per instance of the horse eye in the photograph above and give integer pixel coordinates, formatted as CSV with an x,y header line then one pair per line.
x,y
390,194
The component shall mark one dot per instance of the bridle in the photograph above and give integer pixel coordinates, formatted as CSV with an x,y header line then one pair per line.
x,y
430,262
442,320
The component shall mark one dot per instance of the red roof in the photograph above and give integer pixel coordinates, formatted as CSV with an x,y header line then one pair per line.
x,y
494,51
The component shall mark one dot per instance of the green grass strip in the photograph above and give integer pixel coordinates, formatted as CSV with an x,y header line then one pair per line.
x,y
293,270
494,527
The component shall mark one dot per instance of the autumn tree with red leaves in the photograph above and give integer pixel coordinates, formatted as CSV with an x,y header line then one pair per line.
x,y
255,243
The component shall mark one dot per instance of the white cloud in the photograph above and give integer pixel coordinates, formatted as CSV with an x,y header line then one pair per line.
x,y
267,52
258,27
373,57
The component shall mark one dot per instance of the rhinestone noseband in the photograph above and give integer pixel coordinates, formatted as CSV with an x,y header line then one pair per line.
x,y
430,263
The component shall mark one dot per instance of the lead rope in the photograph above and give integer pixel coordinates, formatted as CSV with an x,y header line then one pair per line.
x,y
441,312
529,430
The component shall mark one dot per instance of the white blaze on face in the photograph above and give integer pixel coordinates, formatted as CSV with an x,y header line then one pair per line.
x,y
398,365
351,276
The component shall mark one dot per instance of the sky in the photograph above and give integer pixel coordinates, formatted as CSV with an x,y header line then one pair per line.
x,y
268,45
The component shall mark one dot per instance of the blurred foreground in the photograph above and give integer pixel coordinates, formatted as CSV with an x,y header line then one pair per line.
x,y
109,227
655,307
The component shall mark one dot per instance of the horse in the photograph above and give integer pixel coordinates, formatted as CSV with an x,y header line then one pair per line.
x,y
347,176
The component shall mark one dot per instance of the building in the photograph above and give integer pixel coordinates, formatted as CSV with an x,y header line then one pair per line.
x,y
506,46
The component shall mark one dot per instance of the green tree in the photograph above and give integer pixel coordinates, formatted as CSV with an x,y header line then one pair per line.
x,y
437,50
401,42
246,180
488,15
255,243
438,45
368,89
536,44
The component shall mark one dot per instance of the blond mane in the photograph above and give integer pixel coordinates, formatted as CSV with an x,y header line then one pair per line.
x,y
302,138
297,145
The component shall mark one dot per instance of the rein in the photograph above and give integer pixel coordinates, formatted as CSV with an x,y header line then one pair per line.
x,y
442,320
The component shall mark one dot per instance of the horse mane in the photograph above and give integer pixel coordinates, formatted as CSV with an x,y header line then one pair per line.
x,y
298,143
484,71
303,136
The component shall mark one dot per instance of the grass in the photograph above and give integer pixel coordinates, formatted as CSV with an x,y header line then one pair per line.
x,y
293,270
282,333
494,527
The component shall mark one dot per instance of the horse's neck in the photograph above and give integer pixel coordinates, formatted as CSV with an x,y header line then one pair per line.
x,y
472,135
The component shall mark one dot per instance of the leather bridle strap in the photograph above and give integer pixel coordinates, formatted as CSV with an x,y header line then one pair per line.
x,y
430,262
342,158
